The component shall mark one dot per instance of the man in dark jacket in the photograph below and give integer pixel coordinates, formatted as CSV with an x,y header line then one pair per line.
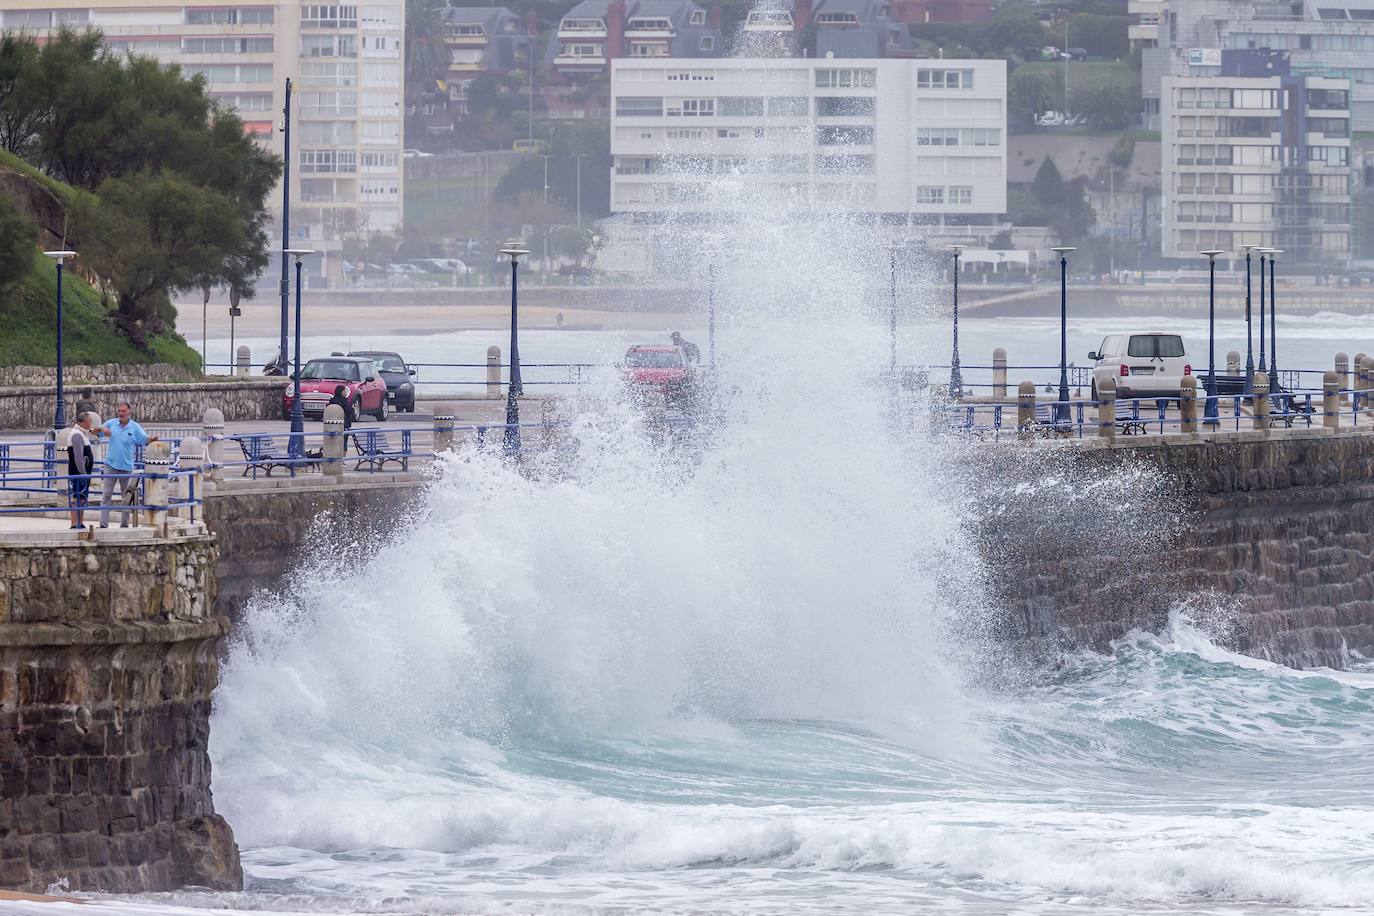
x,y
341,398
690,351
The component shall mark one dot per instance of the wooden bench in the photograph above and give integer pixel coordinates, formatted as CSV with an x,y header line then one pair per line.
x,y
374,450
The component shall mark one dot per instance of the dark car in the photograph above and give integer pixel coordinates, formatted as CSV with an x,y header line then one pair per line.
x,y
400,390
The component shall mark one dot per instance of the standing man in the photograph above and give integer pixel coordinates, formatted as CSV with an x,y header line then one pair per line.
x,y
125,434
80,465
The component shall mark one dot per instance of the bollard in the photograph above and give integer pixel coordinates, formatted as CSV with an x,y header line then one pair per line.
x,y
1025,408
1187,405
1259,401
443,428
1331,399
190,461
1343,375
494,372
157,463
1361,385
212,427
999,372
1233,363
1106,409
243,362
335,441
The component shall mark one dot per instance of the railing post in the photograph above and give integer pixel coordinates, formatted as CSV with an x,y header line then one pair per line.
x,y
1187,405
1106,410
243,361
1331,400
212,427
999,372
1343,375
1025,409
1233,363
1361,380
335,441
190,459
1259,401
494,372
443,428
157,463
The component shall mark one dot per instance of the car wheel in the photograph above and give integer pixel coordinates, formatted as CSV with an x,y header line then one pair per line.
x,y
382,411
357,408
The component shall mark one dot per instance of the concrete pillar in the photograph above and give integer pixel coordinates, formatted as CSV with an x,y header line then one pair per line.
x,y
1361,384
335,441
1025,408
1259,402
189,482
1331,399
243,361
1187,405
999,372
212,427
494,372
1343,375
157,463
1233,363
1106,409
443,427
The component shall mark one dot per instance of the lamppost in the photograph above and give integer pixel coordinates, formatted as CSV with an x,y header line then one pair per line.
x,y
296,447
1249,334
579,157
1061,408
285,223
1210,414
956,378
1263,252
711,308
1273,319
544,264
59,417
234,312
515,250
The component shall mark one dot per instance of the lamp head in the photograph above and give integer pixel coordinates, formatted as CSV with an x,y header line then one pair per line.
x,y
1062,250
60,256
515,250
1212,253
1274,253
298,253
956,249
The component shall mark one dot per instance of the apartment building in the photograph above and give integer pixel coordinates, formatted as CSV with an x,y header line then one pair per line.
x,y
346,62
1328,38
912,143
825,28
595,32
1257,155
1144,16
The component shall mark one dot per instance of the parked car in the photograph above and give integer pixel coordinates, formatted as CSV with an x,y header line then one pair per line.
x,y
1150,364
659,368
400,390
362,385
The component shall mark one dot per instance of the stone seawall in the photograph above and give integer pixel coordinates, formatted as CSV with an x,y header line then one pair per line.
x,y
1272,532
102,374
265,533
31,407
107,663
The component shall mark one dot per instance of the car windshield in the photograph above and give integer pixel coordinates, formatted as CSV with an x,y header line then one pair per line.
x,y
653,359
343,370
387,363
1151,345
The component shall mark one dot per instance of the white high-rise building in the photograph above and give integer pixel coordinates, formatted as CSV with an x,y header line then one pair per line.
x,y
911,142
347,66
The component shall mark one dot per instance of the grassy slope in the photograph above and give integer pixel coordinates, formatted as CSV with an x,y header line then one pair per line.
x,y
28,314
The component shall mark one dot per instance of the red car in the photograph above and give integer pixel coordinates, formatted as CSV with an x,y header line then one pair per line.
x,y
363,385
658,368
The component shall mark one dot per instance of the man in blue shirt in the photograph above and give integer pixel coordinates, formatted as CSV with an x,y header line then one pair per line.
x,y
125,434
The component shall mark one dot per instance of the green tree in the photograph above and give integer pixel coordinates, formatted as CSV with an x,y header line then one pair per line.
x,y
1106,106
1101,36
21,113
1029,94
427,56
152,234
1048,184
18,237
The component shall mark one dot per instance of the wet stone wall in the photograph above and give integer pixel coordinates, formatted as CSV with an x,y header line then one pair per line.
x,y
107,664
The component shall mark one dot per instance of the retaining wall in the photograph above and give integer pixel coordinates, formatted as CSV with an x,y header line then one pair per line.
x,y
31,407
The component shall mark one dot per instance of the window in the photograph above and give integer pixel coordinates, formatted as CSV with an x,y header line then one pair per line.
x,y
582,49
379,190
634,107
1146,346
329,46
226,46
741,108
944,79
1329,155
846,78
328,73
937,136
328,133
1330,127
648,49
329,103
695,76
837,19
684,133
961,196
245,101
698,17
844,165
708,43
735,133
381,131
231,73
212,17
1254,98
318,161
329,17
789,107
844,106
380,104
383,17
844,136
26,19
378,161
927,194
649,25
381,75
691,108
982,136
787,165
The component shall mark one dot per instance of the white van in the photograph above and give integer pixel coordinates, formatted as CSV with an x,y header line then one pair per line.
x,y
1145,365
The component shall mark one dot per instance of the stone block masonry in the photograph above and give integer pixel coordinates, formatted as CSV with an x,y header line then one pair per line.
x,y
31,407
107,663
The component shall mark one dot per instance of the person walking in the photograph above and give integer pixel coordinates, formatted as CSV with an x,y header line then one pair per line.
x,y
80,465
341,398
125,434
690,351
